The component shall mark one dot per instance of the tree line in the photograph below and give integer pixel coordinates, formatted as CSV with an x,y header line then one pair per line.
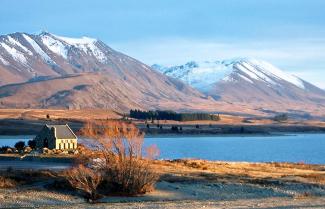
x,y
171,115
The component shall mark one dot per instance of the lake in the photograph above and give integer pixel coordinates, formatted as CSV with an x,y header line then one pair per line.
x,y
306,148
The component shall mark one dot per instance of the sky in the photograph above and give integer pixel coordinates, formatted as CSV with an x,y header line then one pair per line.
x,y
288,33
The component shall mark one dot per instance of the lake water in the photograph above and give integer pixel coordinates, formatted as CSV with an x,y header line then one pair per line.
x,y
307,148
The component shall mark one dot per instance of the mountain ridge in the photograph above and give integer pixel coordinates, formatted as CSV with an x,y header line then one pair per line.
x,y
250,83
50,71
44,70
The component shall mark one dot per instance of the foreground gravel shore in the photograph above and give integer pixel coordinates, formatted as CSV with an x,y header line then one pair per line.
x,y
196,184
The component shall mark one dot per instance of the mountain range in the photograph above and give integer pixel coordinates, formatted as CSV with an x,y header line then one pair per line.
x,y
249,81
50,71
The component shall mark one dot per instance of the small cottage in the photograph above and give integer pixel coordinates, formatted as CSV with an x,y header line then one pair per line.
x,y
56,137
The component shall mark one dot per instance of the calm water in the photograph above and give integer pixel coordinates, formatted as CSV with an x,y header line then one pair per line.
x,y
307,148
11,140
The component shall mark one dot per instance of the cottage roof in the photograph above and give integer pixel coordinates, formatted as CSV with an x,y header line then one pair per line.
x,y
62,131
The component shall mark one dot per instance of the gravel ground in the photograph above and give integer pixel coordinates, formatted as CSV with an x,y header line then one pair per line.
x,y
179,195
195,184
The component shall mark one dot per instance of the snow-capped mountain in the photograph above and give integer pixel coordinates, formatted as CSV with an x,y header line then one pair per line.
x,y
245,80
51,71
26,56
47,70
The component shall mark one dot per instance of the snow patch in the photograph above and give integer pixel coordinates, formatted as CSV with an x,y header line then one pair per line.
x,y
38,49
245,78
55,46
254,73
86,44
5,62
202,75
16,55
15,42
275,72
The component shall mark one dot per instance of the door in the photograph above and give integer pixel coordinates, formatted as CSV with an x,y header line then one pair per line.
x,y
46,143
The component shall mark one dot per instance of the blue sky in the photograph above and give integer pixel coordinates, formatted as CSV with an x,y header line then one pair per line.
x,y
288,33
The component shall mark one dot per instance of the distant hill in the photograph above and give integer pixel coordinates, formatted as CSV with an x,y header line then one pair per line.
x,y
251,82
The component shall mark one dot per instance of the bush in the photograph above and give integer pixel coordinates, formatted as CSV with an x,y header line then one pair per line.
x,y
32,143
4,149
85,180
6,182
20,145
125,169
281,117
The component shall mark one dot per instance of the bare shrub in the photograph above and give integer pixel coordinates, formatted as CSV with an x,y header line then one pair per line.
x,y
6,182
85,180
126,169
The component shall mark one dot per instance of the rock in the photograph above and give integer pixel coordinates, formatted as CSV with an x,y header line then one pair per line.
x,y
27,149
45,150
65,152
9,150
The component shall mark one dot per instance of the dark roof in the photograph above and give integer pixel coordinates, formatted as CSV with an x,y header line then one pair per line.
x,y
63,131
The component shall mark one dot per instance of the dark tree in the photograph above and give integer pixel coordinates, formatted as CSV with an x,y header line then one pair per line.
x,y
4,148
170,115
281,117
32,144
20,145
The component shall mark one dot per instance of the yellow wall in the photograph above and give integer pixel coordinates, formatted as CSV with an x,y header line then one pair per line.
x,y
66,144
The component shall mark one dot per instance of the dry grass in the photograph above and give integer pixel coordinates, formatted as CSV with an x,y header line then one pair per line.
x,y
15,178
84,114
91,114
6,182
241,172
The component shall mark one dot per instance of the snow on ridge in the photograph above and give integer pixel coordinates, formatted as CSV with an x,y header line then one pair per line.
x,y
5,62
273,71
38,49
17,43
200,74
254,73
55,46
76,41
86,44
16,55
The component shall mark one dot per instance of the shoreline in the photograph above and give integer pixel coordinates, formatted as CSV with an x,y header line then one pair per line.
x,y
70,160
196,183
13,127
